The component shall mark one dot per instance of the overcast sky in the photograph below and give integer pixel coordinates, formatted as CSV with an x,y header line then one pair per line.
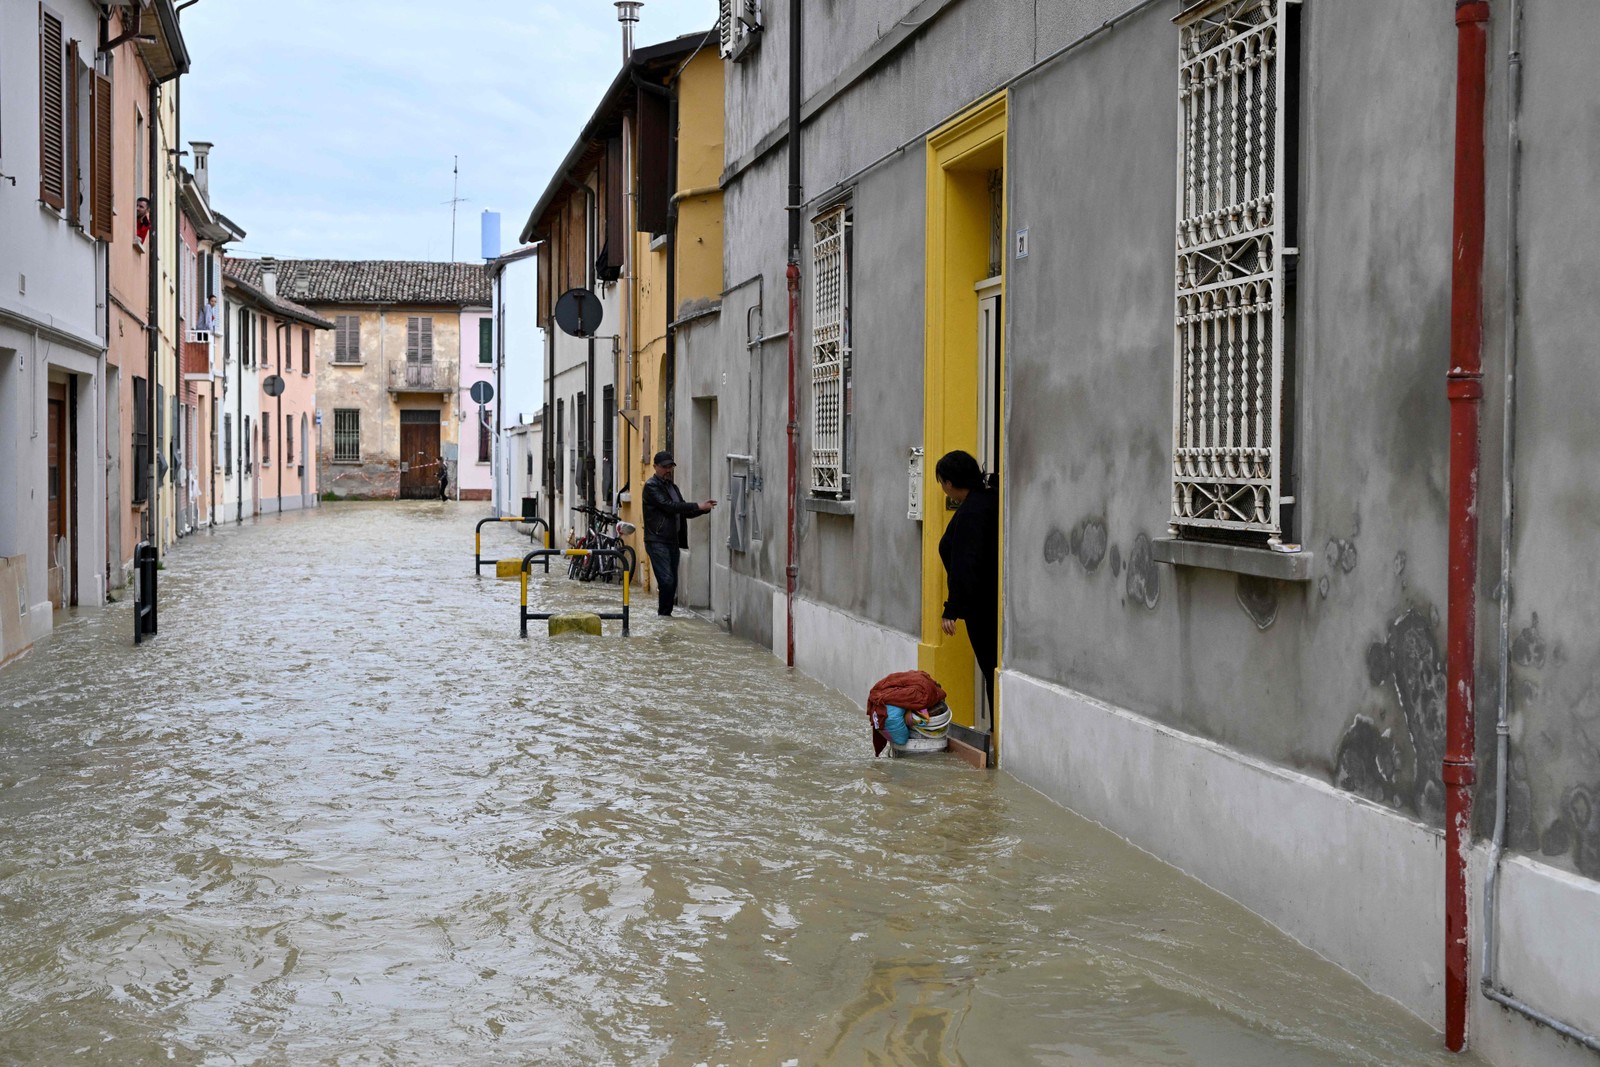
x,y
335,121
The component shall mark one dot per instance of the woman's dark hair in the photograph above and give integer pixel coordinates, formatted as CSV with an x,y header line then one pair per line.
x,y
960,470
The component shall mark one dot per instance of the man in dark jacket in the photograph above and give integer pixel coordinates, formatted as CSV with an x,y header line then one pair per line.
x,y
666,530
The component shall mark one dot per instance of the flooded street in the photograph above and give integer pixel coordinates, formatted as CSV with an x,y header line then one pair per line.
x,y
338,813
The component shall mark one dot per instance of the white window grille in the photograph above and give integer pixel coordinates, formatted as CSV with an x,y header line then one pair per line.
x,y
1227,462
346,435
830,349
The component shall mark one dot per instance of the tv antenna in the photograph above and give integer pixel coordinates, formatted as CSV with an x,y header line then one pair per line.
x,y
455,188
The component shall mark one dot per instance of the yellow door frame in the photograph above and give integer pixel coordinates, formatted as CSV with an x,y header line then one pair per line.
x,y
961,155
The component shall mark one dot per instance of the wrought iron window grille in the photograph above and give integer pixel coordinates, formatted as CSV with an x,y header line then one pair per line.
x,y
1234,206
830,351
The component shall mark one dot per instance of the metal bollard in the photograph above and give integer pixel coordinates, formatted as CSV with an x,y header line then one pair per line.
x,y
145,618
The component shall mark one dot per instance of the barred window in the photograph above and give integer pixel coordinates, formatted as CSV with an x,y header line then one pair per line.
x,y
347,339
1238,89
830,351
346,435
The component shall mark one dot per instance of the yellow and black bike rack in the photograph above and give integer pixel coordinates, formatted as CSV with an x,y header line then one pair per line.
x,y
477,550
544,554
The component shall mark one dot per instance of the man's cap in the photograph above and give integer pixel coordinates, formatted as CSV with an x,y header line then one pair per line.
x,y
664,459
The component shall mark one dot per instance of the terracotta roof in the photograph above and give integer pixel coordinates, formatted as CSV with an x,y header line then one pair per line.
x,y
286,308
375,281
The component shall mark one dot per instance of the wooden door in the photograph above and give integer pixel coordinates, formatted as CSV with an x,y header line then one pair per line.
x,y
59,484
419,455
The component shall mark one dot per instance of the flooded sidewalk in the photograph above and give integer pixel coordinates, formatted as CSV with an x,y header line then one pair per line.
x,y
338,813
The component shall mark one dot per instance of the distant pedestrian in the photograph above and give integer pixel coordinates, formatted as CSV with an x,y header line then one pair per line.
x,y
970,549
666,530
444,480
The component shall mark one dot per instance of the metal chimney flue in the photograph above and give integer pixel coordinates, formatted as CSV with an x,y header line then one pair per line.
x,y
628,14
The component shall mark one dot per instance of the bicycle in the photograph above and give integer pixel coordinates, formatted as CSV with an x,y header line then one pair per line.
x,y
606,532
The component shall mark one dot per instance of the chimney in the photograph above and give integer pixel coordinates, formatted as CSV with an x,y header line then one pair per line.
x,y
269,275
628,14
202,168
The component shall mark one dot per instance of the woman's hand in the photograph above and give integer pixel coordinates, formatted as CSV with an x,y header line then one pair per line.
x,y
948,626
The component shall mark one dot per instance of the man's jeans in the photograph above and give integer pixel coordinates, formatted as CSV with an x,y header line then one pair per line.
x,y
664,562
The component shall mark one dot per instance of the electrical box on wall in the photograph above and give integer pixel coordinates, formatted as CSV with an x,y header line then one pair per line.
x,y
914,478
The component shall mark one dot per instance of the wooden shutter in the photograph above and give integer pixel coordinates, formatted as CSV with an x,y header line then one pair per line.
x,y
655,152
546,281
615,204
485,340
425,337
100,156
413,339
52,106
74,178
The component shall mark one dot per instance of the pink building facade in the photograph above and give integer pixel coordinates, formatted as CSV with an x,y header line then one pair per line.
x,y
475,460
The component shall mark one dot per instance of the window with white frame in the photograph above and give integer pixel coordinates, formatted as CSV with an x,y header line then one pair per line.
x,y
1237,178
346,435
830,351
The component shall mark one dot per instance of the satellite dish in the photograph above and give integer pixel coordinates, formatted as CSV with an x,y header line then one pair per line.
x,y
579,313
482,392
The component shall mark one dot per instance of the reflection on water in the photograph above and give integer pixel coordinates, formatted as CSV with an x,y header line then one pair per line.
x,y
337,813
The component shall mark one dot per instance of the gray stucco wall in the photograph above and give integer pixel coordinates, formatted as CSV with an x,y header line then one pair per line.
x,y
1277,669
870,563
1342,676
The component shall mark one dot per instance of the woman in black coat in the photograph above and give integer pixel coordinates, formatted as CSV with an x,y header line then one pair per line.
x,y
970,549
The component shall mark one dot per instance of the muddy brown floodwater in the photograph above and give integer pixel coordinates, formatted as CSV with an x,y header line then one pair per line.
x,y
338,813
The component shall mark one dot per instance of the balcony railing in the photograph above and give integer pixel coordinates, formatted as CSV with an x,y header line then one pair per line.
x,y
199,354
409,377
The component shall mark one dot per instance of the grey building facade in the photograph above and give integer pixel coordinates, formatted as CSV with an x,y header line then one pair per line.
x,y
1224,460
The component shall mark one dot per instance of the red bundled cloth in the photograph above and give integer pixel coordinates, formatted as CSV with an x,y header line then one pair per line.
x,y
911,690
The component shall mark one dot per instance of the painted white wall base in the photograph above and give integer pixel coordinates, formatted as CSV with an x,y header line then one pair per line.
x,y
1358,883
842,651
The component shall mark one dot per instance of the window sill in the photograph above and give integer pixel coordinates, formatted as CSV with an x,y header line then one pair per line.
x,y
348,363
827,505
1238,559
346,463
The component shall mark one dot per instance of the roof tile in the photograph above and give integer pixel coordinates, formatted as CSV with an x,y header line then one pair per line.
x,y
374,281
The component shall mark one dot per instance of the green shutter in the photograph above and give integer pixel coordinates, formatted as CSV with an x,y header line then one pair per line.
x,y
485,340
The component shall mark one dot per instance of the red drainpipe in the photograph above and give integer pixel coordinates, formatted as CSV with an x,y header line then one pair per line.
x,y
791,570
1465,390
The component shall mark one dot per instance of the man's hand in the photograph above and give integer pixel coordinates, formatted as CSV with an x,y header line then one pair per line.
x,y
708,505
948,626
